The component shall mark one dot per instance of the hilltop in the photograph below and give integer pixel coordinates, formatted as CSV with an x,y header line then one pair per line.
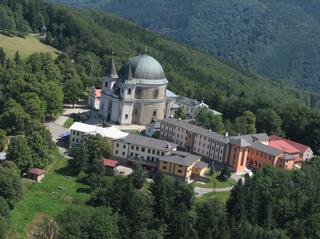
x,y
275,38
26,46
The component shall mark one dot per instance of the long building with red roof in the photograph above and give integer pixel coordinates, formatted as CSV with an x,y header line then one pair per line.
x,y
291,147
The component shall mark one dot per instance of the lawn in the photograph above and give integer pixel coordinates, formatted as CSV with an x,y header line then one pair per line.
x,y
68,123
25,46
215,182
46,199
221,196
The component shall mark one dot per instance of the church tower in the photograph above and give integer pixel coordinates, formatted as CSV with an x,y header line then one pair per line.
x,y
108,84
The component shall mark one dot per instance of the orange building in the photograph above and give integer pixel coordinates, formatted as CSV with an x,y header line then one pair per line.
x,y
252,152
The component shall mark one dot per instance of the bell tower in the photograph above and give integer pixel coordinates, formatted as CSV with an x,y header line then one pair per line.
x,y
108,83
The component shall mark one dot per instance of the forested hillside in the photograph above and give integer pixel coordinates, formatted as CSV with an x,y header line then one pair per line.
x,y
275,38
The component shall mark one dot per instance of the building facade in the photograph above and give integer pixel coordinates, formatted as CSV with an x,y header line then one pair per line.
x,y
79,132
238,152
144,150
183,165
137,95
94,98
195,139
192,107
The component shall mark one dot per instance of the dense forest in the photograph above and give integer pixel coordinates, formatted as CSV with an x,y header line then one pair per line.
x,y
279,39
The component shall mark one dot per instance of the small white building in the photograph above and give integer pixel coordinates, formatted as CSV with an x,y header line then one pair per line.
x,y
192,106
80,131
94,98
2,157
152,128
36,174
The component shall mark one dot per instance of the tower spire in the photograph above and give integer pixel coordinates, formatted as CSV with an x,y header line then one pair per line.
x,y
114,74
130,77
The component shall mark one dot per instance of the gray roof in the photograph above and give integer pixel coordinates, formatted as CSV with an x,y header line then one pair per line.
x,y
185,159
266,149
113,73
288,157
197,129
214,112
174,106
155,124
250,138
240,142
170,94
187,101
143,67
149,142
201,165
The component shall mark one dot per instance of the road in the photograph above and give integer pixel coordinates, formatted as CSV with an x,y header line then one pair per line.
x,y
56,130
201,191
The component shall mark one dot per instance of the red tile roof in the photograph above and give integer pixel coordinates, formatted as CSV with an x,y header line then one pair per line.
x,y
286,145
110,163
97,92
36,171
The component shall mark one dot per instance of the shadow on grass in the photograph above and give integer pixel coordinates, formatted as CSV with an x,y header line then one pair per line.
x,y
84,190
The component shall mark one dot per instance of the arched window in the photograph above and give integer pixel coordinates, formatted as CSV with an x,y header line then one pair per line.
x,y
106,84
129,91
155,93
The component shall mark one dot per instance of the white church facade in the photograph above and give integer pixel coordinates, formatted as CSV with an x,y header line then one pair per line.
x,y
137,95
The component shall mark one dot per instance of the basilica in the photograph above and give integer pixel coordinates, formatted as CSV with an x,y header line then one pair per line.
x,y
137,94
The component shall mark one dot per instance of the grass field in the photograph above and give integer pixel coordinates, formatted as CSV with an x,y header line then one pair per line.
x,y
25,46
68,123
216,182
46,199
221,196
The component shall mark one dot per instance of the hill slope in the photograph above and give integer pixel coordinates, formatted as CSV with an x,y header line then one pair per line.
x,y
25,46
275,38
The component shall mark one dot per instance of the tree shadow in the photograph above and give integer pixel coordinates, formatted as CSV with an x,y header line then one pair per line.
x,y
84,190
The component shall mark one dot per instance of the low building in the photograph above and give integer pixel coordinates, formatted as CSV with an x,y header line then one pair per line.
x,y
3,156
144,150
36,174
109,166
183,165
94,98
291,147
79,132
254,151
171,105
152,128
192,107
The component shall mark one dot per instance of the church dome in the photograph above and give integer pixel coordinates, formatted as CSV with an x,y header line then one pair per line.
x,y
142,67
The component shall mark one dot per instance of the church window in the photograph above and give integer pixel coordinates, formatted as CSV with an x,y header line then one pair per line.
x,y
106,84
155,93
129,91
126,116
154,113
